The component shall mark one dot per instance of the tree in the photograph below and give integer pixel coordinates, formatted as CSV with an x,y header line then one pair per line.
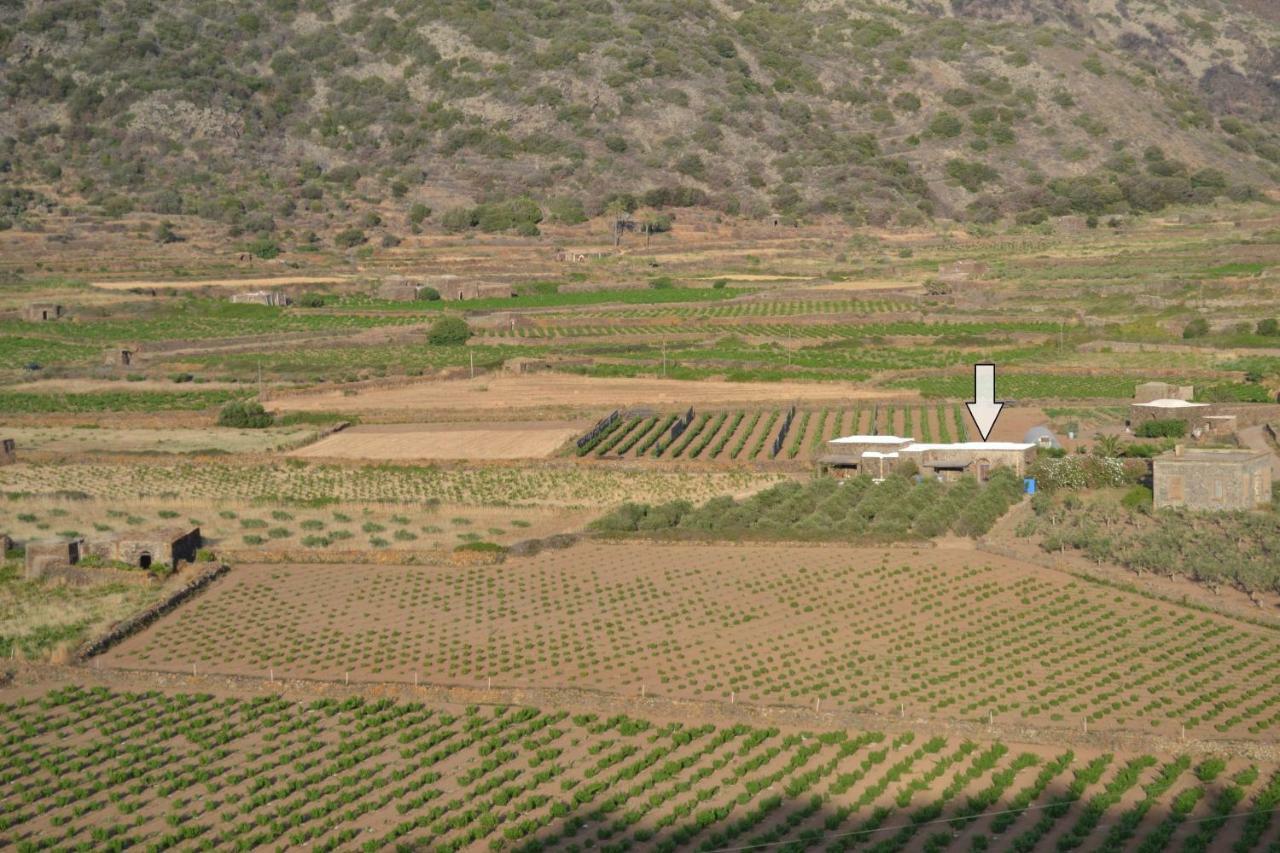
x,y
449,331
1107,446
264,247
245,415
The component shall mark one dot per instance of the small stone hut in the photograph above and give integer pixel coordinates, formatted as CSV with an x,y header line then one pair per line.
x,y
40,312
141,549
50,554
147,548
1212,480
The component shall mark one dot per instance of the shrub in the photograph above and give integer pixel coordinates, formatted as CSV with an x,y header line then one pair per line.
x,y
245,414
945,125
449,331
1197,328
349,238
428,294
1268,328
418,213
1167,428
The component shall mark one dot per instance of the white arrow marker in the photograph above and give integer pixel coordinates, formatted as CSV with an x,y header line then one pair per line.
x,y
983,408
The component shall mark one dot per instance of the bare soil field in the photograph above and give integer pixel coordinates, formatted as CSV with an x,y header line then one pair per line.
x,y
399,442
555,390
935,634
72,440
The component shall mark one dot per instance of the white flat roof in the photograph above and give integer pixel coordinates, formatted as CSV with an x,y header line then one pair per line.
x,y
918,447
877,455
1172,404
871,439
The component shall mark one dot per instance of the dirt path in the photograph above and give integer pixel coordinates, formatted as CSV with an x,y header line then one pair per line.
x,y
1255,438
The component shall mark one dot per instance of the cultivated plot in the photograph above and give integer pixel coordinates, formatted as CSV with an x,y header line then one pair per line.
x,y
941,634
97,769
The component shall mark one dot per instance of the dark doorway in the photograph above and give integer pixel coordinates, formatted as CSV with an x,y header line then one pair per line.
x,y
144,561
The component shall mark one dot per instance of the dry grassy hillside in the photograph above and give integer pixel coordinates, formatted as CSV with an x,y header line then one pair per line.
x,y
362,121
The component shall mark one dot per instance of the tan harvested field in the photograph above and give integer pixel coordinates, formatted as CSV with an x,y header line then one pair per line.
x,y
196,284
71,440
935,634
405,442
868,286
555,390
88,385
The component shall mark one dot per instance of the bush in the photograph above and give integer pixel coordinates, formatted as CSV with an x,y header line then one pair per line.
x,y
418,213
311,300
1167,428
1197,328
662,282
245,414
428,294
1139,497
349,238
449,331
945,125
1268,328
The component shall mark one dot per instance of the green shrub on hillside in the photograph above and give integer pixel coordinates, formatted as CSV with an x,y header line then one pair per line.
x,y
449,331
245,414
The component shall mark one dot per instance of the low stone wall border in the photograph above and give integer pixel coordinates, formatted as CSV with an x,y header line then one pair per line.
x,y
133,624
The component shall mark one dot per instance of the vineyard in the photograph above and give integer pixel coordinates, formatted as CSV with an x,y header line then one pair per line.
x,y
746,435
299,482
943,635
96,769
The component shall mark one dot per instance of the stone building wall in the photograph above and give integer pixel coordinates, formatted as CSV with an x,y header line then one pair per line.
x,y
1210,480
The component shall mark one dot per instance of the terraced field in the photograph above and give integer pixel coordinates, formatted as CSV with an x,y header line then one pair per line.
x,y
749,435
114,770
941,635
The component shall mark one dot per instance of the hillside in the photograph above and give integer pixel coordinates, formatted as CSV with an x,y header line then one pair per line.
x,y
390,116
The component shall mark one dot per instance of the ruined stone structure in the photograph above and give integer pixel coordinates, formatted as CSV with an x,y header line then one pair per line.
x,y
1210,479
1148,392
141,549
8,451
39,312
450,288
274,298
51,554
880,455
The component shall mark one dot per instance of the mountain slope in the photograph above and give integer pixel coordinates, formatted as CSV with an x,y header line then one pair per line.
x,y
261,112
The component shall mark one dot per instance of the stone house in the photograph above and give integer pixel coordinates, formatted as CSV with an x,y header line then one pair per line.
x,y
39,312
1212,479
141,549
881,455
147,548
8,451
1164,409
1148,392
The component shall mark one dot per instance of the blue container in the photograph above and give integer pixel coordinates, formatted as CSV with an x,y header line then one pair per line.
x,y
1030,484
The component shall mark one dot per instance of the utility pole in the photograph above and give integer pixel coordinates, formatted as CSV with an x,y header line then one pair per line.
x,y
473,364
